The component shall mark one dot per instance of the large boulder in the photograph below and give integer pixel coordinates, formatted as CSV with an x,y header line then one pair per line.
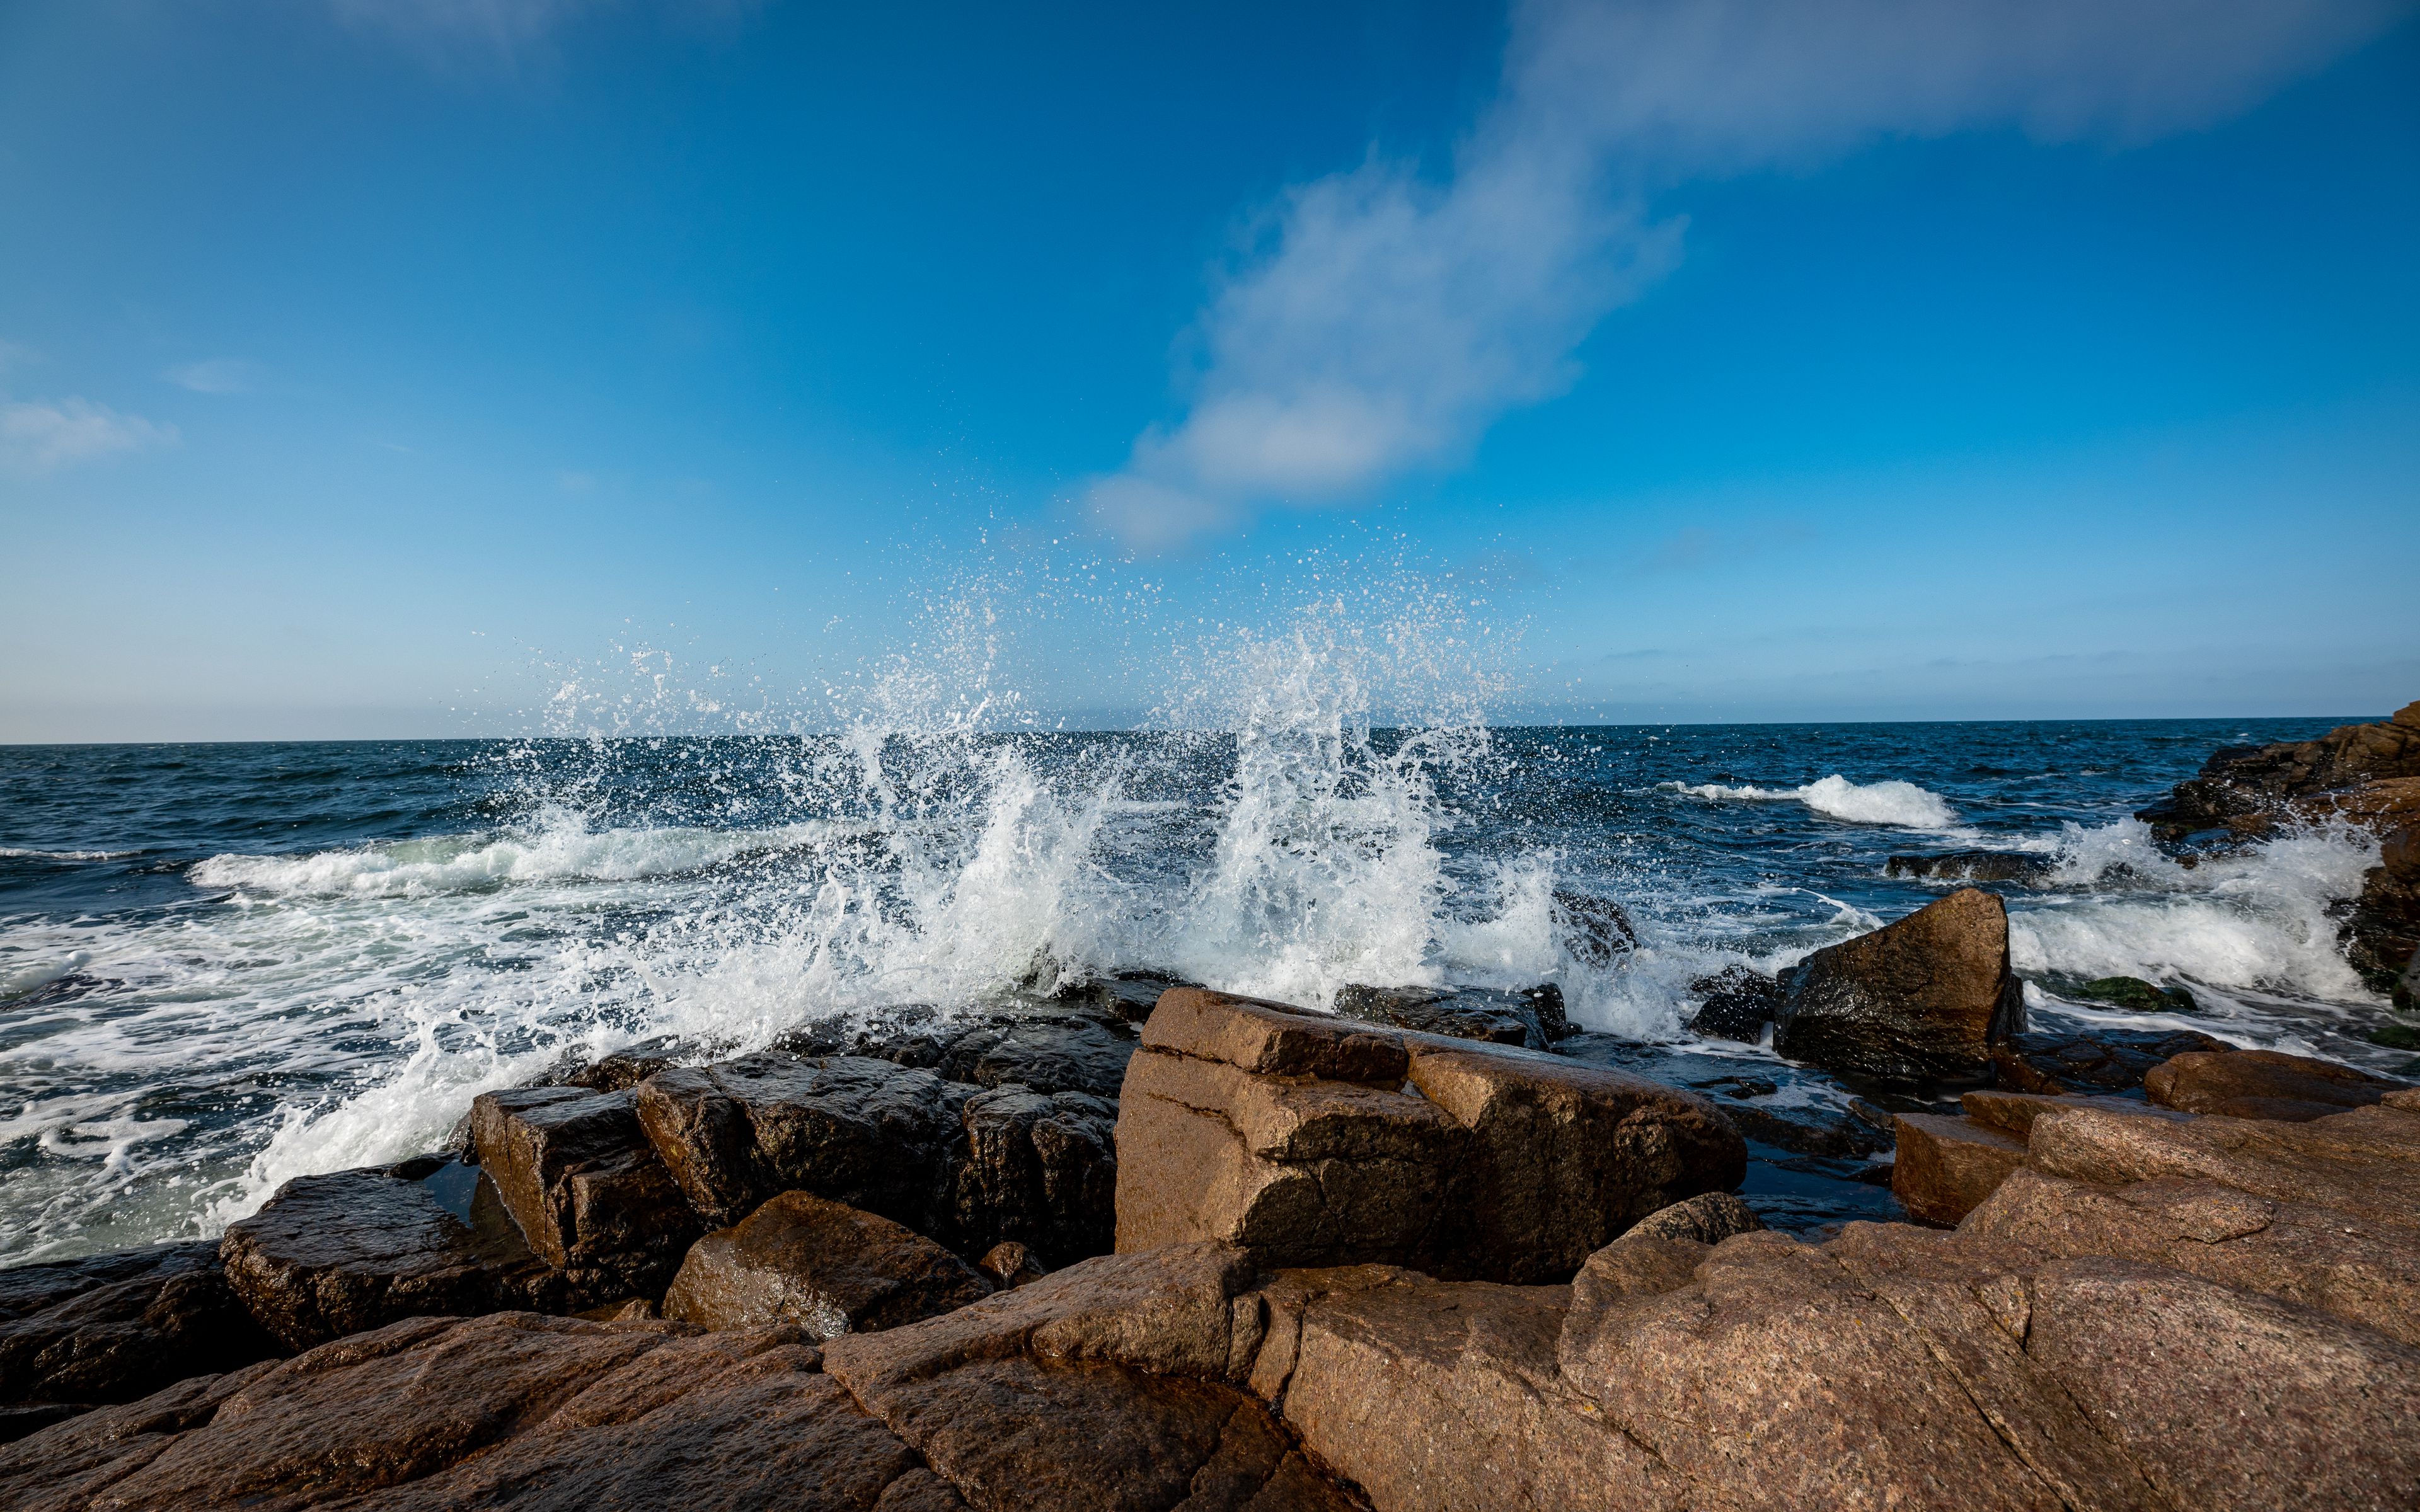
x,y
1735,1003
1295,1135
1944,1168
2263,1084
578,1173
110,1328
2250,789
819,1266
2092,1060
2366,1163
968,1165
1923,999
356,1250
513,1410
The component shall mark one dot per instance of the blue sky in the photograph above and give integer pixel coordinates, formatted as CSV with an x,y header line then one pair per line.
x,y
376,368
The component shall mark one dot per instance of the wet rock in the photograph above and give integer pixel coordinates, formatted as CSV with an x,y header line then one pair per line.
x,y
1806,1131
2135,995
1946,1168
1922,1000
2355,1269
854,1129
2248,790
579,1175
1972,866
2382,938
2014,1113
19,1419
1293,1135
1737,1004
2263,1084
512,1410
2366,1161
356,1250
1532,1018
1112,1383
2053,1061
820,1266
1010,1264
1129,997
110,1328
1595,930
1035,1170
1070,1055
628,1067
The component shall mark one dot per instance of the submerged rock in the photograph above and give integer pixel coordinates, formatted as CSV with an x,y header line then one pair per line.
x,y
1596,930
1295,1136
822,1267
1972,866
2136,996
2263,1084
110,1328
1923,999
2092,1060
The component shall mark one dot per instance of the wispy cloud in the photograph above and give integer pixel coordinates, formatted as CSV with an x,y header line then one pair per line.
x,y
478,33
41,435
218,375
1385,318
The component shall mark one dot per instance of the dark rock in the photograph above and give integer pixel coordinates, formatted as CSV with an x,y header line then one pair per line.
x,y
2248,790
1923,999
1035,1170
110,1328
356,1250
578,1173
1595,930
854,1128
2263,1084
2396,1036
1708,1218
1497,1162
2136,996
822,1267
1972,866
1946,1168
1532,1017
1069,1055
21,1418
2053,1061
2382,938
513,1410
628,1067
1129,995
1806,1131
1737,1002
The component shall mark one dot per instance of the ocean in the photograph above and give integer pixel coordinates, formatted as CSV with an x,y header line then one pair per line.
x,y
225,965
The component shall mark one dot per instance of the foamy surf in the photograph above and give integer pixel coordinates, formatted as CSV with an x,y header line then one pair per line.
x,y
1905,805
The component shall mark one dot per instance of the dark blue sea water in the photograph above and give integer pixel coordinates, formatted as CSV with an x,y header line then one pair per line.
x,y
225,965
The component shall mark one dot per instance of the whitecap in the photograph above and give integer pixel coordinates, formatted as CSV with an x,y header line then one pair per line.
x,y
1903,805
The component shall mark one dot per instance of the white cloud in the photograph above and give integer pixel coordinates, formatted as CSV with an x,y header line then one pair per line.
x,y
39,434
13,355
1392,318
218,375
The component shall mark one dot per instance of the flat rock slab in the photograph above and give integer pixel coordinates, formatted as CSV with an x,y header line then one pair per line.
x,y
2366,1161
2014,1113
1922,1000
1295,1135
512,1410
822,1267
2264,1084
2092,1060
356,1250
111,1328
578,1173
1946,1168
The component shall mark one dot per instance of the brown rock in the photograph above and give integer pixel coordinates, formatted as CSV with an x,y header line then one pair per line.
x,y
1497,1162
2275,1406
110,1328
2366,1163
2263,1084
2014,1113
577,1172
1560,1157
356,1250
1010,1264
2249,789
1946,1168
509,1410
2355,1269
820,1266
1107,1384
1922,1000
2095,1060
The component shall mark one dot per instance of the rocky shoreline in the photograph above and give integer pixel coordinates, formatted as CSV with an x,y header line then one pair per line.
x,y
1154,1246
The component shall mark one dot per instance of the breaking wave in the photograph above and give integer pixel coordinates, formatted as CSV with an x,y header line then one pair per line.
x,y
1901,804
